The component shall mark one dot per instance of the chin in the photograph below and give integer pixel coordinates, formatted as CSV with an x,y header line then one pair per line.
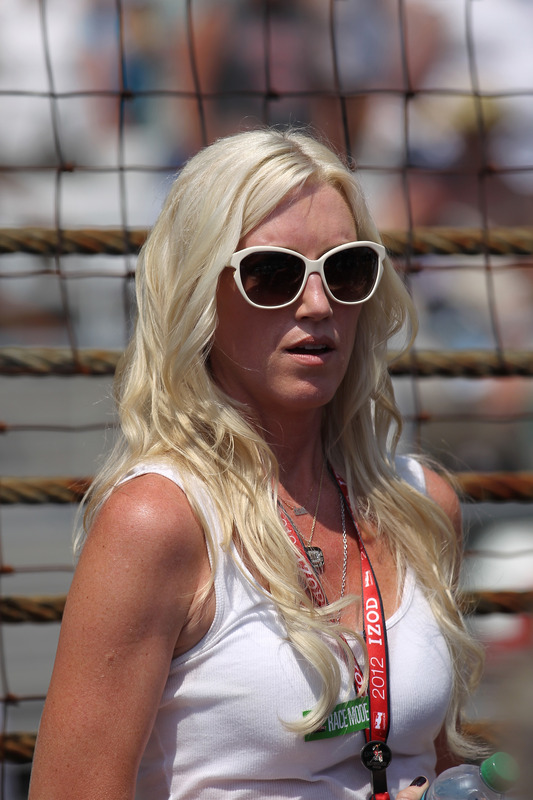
x,y
309,401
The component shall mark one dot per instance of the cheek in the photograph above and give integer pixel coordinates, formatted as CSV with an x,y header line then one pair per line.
x,y
348,326
230,311
235,339
238,338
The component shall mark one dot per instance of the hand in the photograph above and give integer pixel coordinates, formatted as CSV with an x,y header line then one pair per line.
x,y
415,790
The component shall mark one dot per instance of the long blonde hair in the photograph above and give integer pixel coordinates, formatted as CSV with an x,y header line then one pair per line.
x,y
170,406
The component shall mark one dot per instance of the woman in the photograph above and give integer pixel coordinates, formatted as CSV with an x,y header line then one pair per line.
x,y
208,641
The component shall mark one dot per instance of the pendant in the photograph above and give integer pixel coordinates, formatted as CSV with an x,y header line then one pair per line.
x,y
316,557
300,511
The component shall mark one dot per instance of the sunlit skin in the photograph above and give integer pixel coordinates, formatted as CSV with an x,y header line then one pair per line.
x,y
286,364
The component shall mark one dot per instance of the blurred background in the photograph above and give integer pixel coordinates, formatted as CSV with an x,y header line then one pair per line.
x,y
101,101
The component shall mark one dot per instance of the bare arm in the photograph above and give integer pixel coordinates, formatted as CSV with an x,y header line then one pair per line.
x,y
141,568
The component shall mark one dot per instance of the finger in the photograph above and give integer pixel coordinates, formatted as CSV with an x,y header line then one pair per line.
x,y
415,790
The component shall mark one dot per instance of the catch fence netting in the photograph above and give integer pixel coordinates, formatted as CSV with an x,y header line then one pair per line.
x,y
101,102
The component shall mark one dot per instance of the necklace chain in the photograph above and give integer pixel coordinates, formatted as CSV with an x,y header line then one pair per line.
x,y
313,526
316,554
344,548
301,510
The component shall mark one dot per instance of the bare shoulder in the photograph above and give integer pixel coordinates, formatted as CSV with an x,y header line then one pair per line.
x,y
146,553
147,549
150,514
444,495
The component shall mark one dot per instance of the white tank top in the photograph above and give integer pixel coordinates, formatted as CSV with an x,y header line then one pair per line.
x,y
219,730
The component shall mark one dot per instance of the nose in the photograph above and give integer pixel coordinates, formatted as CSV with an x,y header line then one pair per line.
x,y
314,302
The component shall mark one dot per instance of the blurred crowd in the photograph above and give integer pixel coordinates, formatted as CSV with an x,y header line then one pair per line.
x,y
432,99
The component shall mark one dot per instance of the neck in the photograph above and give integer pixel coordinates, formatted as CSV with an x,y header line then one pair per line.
x,y
300,463
296,441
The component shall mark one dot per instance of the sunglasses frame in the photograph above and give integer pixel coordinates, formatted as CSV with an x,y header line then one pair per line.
x,y
311,267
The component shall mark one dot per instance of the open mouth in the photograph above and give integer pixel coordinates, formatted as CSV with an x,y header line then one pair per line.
x,y
311,349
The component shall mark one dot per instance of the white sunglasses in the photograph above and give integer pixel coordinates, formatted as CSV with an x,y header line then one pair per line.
x,y
274,277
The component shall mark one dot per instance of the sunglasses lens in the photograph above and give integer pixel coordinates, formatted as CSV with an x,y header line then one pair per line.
x,y
271,279
351,274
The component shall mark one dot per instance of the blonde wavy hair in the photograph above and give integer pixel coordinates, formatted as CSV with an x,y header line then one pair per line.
x,y
169,406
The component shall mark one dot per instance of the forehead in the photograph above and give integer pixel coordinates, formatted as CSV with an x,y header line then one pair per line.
x,y
312,215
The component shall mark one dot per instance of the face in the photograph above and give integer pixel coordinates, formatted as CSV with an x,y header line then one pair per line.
x,y
287,361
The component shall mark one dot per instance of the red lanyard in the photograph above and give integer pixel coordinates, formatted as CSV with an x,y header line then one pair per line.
x,y
376,754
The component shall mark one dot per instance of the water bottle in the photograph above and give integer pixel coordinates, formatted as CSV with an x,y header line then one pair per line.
x,y
489,781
